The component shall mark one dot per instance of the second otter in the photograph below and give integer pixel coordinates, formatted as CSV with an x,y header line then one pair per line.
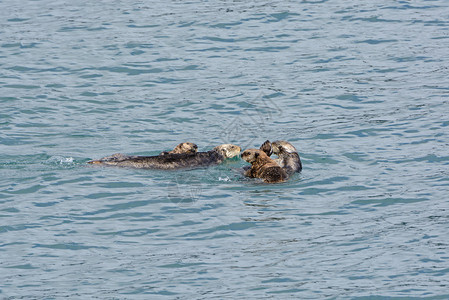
x,y
288,157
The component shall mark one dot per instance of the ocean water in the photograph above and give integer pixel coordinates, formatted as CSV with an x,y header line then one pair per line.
x,y
360,88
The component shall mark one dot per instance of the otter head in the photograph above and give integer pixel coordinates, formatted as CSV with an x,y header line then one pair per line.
x,y
282,146
251,155
228,150
189,148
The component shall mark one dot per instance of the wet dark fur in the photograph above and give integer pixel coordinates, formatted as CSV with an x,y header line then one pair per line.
x,y
272,174
167,161
263,167
266,147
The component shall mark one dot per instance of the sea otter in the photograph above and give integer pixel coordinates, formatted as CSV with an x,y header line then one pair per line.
x,y
172,161
288,157
188,148
263,166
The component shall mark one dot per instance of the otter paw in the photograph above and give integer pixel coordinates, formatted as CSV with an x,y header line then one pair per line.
x,y
266,147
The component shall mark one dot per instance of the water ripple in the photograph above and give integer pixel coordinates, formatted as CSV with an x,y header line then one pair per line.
x,y
359,88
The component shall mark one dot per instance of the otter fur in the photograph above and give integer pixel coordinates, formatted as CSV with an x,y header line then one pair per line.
x,y
172,161
288,157
263,166
188,148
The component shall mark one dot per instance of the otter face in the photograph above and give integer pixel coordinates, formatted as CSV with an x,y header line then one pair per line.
x,y
189,148
251,155
228,150
282,146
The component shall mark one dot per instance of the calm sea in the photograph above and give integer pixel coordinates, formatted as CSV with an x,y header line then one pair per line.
x,y
361,88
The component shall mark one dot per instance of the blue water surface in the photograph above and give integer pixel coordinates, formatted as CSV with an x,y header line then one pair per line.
x,y
360,88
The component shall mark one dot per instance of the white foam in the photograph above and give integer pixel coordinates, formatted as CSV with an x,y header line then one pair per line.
x,y
66,160
61,160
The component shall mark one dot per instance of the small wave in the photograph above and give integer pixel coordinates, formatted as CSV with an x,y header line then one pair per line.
x,y
61,160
